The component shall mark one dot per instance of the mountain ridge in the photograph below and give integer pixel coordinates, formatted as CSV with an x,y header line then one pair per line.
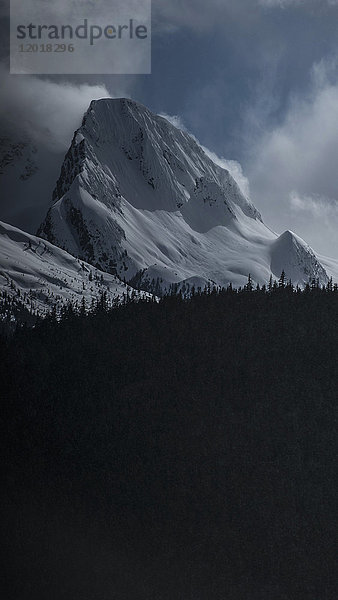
x,y
137,196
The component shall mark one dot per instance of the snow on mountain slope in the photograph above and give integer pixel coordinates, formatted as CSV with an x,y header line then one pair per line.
x,y
140,198
42,275
291,254
330,265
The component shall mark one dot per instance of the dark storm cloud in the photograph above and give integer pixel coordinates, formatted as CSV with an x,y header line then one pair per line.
x,y
46,111
254,80
200,15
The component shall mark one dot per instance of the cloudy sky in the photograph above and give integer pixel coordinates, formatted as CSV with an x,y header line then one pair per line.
x,y
256,81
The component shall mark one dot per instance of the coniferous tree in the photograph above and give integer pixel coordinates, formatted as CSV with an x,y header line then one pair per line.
x,y
281,282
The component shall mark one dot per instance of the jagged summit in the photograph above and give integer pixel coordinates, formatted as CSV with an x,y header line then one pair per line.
x,y
116,103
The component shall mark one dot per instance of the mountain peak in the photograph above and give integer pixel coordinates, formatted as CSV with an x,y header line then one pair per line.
x,y
290,236
107,110
292,254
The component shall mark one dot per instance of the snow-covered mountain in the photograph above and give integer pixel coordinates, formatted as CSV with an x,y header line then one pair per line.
x,y
139,198
40,275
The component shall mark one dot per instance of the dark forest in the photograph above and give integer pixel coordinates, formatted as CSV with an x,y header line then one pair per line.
x,y
173,450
